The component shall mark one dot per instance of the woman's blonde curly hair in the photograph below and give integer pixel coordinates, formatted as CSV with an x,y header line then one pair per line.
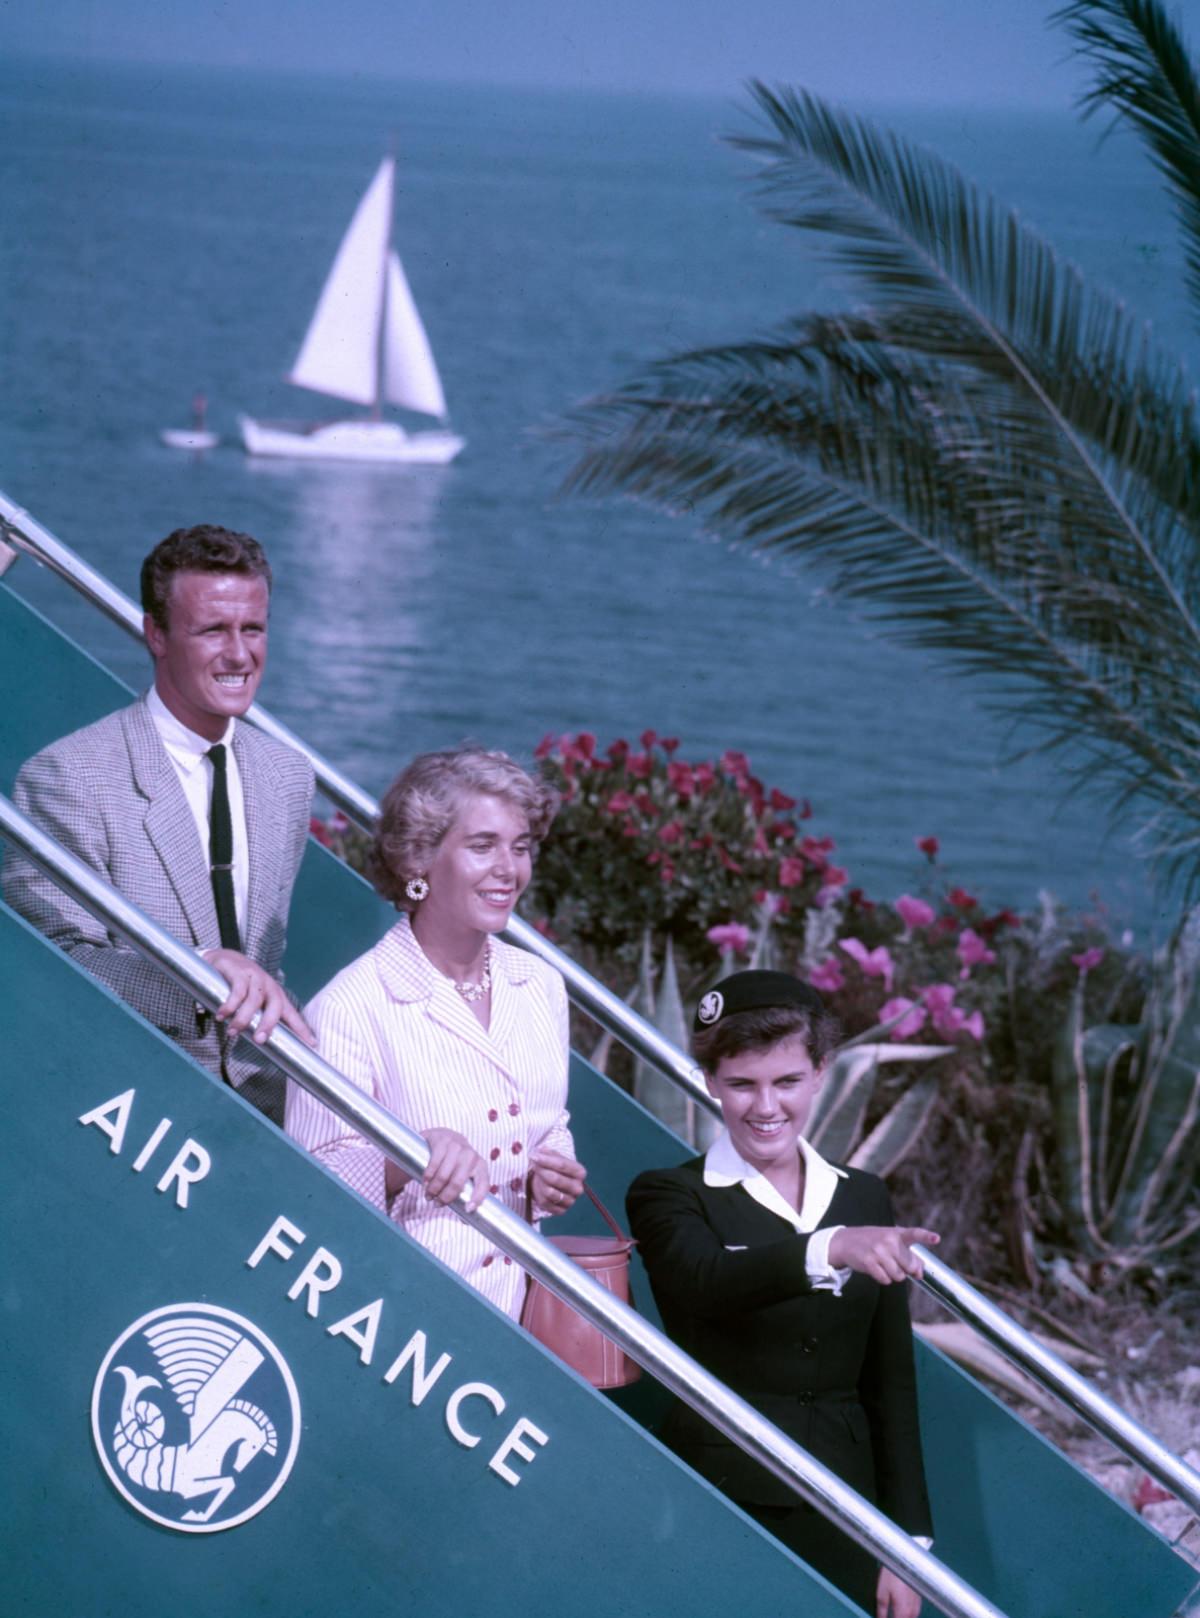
x,y
423,801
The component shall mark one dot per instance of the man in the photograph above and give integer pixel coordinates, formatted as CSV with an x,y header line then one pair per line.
x,y
197,820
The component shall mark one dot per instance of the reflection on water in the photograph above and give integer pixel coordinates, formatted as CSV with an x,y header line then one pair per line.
x,y
353,558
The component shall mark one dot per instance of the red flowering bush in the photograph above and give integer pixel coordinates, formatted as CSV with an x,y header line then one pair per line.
x,y
645,840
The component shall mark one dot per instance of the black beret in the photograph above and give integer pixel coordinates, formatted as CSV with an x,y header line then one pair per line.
x,y
753,991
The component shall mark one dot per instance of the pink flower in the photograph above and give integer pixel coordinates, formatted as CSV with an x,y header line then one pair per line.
x,y
827,977
929,847
912,1017
648,739
672,832
948,1018
791,871
833,876
780,802
731,937
736,764
1149,1493
972,951
618,751
580,748
814,850
338,824
619,802
639,765
546,746
669,743
961,899
913,912
705,777
681,778
873,963
319,831
1086,961
726,860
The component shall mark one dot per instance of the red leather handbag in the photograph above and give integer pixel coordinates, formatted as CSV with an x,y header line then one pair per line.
x,y
563,1330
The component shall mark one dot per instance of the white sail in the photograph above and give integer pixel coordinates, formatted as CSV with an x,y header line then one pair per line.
x,y
410,377
365,343
340,351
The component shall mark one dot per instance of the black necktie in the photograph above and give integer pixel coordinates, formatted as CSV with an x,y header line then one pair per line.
x,y
220,851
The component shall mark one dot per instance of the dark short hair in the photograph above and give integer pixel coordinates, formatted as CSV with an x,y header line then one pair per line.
x,y
424,800
764,1026
203,549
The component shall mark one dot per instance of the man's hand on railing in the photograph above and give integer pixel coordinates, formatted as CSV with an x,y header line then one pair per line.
x,y
252,990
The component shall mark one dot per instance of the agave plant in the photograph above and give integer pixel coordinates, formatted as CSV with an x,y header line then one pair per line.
x,y
992,456
1127,1104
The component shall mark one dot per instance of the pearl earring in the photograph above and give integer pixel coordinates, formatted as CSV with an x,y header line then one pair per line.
x,y
416,888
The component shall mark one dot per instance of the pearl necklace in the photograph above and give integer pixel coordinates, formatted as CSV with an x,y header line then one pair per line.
x,y
476,991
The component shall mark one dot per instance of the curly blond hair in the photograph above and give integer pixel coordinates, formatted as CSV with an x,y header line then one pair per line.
x,y
424,800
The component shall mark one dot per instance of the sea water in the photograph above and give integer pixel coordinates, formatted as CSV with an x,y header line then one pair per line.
x,y
168,230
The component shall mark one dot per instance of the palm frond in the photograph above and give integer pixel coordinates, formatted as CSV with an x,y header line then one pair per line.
x,y
1144,72
995,459
922,240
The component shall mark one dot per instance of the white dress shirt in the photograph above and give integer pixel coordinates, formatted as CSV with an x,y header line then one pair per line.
x,y
397,1028
189,754
724,1165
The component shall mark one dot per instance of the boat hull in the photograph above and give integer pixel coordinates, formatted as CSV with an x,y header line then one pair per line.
x,y
384,441
188,438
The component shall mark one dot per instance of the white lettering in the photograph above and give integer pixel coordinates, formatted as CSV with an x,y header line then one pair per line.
x,y
349,1327
190,1164
273,1241
515,1444
414,1350
151,1146
468,1390
113,1127
310,1278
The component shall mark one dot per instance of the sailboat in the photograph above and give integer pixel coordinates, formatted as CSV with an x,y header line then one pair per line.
x,y
366,344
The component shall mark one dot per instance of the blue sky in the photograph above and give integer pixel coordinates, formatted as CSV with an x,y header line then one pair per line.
x,y
864,51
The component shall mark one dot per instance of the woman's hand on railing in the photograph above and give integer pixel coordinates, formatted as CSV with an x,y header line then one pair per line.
x,y
883,1252
894,1598
452,1162
555,1181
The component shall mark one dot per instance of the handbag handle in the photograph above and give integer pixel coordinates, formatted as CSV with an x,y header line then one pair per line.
x,y
603,1211
608,1218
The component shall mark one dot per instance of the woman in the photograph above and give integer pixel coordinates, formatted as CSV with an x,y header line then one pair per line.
x,y
462,1037
782,1275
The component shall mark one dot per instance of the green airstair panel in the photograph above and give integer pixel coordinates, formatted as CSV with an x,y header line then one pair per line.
x,y
1014,1517
493,1481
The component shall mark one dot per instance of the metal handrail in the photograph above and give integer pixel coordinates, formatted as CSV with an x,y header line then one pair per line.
x,y
1041,1363
677,1370
610,1011
28,536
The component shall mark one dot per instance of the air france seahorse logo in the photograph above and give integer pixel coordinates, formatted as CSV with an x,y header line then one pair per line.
x,y
196,1417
